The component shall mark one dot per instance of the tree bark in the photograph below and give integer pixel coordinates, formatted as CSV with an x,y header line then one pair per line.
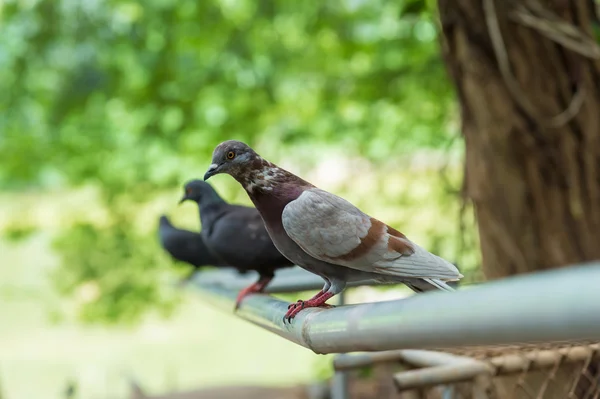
x,y
533,134
528,80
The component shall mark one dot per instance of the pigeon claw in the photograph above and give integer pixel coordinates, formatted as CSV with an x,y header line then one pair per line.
x,y
257,287
317,295
291,305
237,306
293,310
315,302
243,293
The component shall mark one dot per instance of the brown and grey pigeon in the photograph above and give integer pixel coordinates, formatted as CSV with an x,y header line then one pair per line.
x,y
326,234
186,246
236,234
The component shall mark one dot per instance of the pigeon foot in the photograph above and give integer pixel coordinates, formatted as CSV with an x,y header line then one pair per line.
x,y
291,305
257,287
315,302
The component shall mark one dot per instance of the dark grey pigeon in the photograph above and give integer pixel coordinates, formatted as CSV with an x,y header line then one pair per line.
x,y
237,235
326,234
186,246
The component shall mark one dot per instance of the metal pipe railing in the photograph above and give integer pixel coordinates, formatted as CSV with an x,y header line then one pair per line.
x,y
435,368
550,306
293,279
438,368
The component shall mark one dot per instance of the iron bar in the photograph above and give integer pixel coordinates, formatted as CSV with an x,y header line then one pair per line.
x,y
293,279
413,357
546,306
439,375
339,389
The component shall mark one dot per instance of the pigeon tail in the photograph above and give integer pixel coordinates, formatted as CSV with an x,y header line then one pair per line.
x,y
164,221
428,284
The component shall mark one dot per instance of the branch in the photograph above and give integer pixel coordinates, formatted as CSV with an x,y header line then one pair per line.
x,y
551,27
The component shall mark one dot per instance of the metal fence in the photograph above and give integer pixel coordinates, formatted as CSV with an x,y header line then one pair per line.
x,y
549,371
529,336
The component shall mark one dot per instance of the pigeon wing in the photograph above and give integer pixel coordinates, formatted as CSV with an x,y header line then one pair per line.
x,y
186,246
240,238
333,230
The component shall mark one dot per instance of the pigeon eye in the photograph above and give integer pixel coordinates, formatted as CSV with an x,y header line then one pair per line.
x,y
230,155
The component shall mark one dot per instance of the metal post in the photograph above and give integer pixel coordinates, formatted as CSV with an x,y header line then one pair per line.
x,y
339,389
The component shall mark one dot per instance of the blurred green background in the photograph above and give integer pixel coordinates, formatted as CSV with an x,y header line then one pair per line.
x,y
109,106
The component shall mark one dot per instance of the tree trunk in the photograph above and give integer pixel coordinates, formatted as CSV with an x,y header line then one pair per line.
x,y
531,122
528,80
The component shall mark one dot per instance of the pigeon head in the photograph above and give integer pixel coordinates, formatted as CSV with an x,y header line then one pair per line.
x,y
254,173
232,157
199,191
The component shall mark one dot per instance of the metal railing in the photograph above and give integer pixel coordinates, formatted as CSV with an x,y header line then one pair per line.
x,y
287,280
550,306
542,307
512,372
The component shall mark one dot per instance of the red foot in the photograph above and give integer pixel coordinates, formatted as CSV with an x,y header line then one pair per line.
x,y
314,302
257,287
318,294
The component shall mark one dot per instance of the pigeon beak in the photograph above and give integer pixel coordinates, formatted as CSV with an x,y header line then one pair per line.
x,y
212,169
182,200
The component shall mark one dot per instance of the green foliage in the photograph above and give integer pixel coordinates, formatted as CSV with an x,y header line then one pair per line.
x,y
18,232
131,97
119,275
121,92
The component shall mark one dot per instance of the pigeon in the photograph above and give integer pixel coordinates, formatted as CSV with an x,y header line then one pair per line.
x,y
186,246
237,235
325,234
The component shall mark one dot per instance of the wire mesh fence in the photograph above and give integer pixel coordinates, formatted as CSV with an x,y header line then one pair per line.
x,y
563,370
556,371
